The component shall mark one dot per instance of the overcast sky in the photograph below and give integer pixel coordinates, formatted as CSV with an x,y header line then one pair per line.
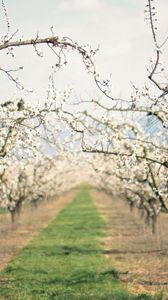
x,y
118,26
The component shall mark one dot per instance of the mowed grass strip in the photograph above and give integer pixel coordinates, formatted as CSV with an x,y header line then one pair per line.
x,y
65,261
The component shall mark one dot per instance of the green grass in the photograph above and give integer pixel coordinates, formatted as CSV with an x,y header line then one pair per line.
x,y
3,210
65,261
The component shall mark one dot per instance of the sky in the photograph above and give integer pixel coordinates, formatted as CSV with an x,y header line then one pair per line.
x,y
116,26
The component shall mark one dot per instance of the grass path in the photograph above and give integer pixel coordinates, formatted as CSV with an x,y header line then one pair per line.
x,y
66,261
13,238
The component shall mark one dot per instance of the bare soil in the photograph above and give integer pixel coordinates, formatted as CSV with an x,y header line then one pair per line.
x,y
14,237
139,256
